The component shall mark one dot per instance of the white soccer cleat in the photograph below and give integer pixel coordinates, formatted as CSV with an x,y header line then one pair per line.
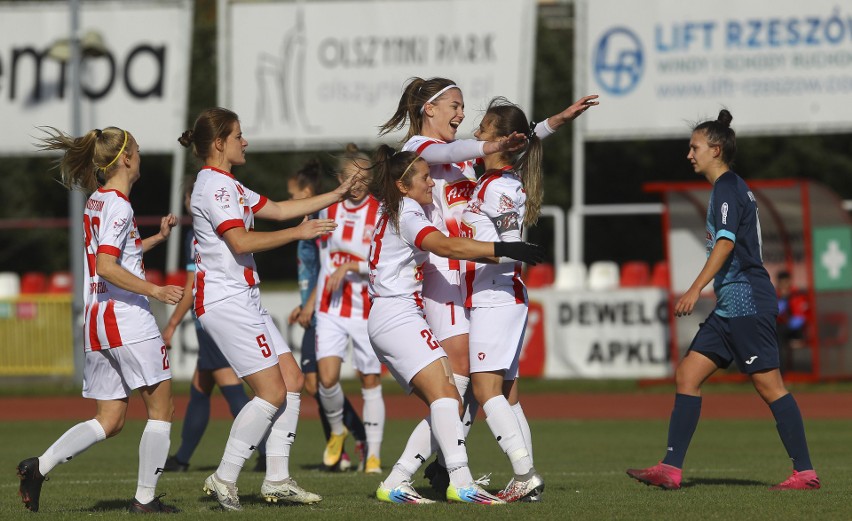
x,y
288,491
225,494
529,490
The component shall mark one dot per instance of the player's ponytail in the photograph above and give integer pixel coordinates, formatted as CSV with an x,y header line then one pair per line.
x,y
414,97
506,117
87,160
391,166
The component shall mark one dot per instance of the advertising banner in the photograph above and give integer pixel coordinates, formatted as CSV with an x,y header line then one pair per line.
x,y
779,66
321,74
134,72
610,334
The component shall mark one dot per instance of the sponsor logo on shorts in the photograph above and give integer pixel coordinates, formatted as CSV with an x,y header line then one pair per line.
x,y
481,356
751,360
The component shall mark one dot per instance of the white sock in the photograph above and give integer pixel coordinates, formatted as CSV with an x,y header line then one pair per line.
x,y
332,403
281,438
249,427
525,427
504,426
374,419
153,451
469,404
418,449
75,440
448,432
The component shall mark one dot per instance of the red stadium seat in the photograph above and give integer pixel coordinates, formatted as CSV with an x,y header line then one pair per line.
x,y
635,274
155,277
33,282
540,276
660,275
176,278
60,282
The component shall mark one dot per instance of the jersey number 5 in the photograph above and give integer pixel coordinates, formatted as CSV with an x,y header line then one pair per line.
x,y
264,347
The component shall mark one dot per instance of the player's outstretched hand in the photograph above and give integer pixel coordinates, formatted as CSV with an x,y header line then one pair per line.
x,y
168,294
313,228
527,252
166,224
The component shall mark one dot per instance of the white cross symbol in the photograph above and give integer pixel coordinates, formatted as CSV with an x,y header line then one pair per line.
x,y
833,259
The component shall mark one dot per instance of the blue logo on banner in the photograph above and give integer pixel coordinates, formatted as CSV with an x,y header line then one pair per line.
x,y
618,61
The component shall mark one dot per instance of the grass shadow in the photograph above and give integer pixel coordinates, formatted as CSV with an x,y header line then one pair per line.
x,y
723,481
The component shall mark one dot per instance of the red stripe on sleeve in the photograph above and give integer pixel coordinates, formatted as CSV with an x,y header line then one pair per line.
x,y
109,250
111,325
422,147
260,204
346,304
199,293
422,235
229,224
94,342
485,181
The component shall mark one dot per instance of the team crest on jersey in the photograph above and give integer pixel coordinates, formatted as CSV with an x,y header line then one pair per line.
x,y
222,195
242,201
339,258
475,206
459,192
418,273
506,203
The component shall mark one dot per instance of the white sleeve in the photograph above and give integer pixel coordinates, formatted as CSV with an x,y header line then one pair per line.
x,y
501,207
436,153
543,130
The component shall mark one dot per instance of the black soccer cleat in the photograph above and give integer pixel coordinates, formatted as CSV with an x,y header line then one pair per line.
x,y
31,481
175,465
155,506
438,477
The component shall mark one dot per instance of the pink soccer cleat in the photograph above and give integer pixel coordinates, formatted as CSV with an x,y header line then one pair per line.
x,y
804,480
660,475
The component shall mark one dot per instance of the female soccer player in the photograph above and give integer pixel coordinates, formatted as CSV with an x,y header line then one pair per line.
x,y
342,309
301,184
506,198
211,368
403,340
741,328
434,109
124,349
227,302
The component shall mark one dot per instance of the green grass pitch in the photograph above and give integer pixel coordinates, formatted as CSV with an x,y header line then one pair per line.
x,y
728,470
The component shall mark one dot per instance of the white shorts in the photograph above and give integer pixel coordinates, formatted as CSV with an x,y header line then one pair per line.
x,y
333,334
445,311
112,374
402,338
496,338
244,332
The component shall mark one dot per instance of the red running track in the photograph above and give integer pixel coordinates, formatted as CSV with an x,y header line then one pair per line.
x,y
595,406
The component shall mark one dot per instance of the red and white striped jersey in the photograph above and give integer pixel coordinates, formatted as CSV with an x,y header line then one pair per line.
x,y
495,213
454,184
219,203
349,242
396,260
113,316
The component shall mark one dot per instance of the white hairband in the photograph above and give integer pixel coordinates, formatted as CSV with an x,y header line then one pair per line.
x,y
437,95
